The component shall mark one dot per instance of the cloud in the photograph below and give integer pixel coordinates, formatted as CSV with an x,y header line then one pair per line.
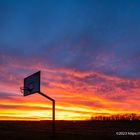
x,y
6,95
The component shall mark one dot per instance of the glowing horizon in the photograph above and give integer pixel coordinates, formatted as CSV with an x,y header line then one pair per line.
x,y
72,102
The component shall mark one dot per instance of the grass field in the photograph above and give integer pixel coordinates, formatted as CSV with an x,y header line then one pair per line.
x,y
69,130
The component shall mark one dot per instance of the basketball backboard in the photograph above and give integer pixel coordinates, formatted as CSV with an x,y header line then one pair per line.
x,y
32,84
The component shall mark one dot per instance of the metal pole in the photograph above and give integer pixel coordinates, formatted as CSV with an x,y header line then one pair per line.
x,y
53,123
53,113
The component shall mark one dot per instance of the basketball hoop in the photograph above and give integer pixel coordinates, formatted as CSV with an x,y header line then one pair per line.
x,y
22,89
31,86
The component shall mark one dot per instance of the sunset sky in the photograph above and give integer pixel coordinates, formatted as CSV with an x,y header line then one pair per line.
x,y
88,52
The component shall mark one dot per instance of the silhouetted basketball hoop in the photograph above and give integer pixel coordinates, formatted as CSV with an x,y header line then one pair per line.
x,y
31,86
22,90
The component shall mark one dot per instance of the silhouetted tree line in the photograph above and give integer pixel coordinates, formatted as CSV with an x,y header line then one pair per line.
x,y
117,117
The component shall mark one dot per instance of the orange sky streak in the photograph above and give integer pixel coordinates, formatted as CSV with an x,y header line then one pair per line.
x,y
75,98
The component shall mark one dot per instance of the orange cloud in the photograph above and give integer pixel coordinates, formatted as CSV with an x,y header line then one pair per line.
x,y
78,95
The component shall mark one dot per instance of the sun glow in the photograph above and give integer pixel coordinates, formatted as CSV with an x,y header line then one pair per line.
x,y
76,98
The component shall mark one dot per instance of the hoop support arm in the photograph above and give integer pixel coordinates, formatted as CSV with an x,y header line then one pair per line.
x,y
47,96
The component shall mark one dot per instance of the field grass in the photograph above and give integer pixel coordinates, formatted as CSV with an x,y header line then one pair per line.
x,y
69,130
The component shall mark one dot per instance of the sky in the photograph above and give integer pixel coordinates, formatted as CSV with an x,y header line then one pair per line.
x,y
88,52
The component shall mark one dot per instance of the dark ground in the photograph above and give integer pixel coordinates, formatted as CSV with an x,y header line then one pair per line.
x,y
69,130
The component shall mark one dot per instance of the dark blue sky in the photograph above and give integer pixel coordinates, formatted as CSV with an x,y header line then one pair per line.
x,y
84,35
